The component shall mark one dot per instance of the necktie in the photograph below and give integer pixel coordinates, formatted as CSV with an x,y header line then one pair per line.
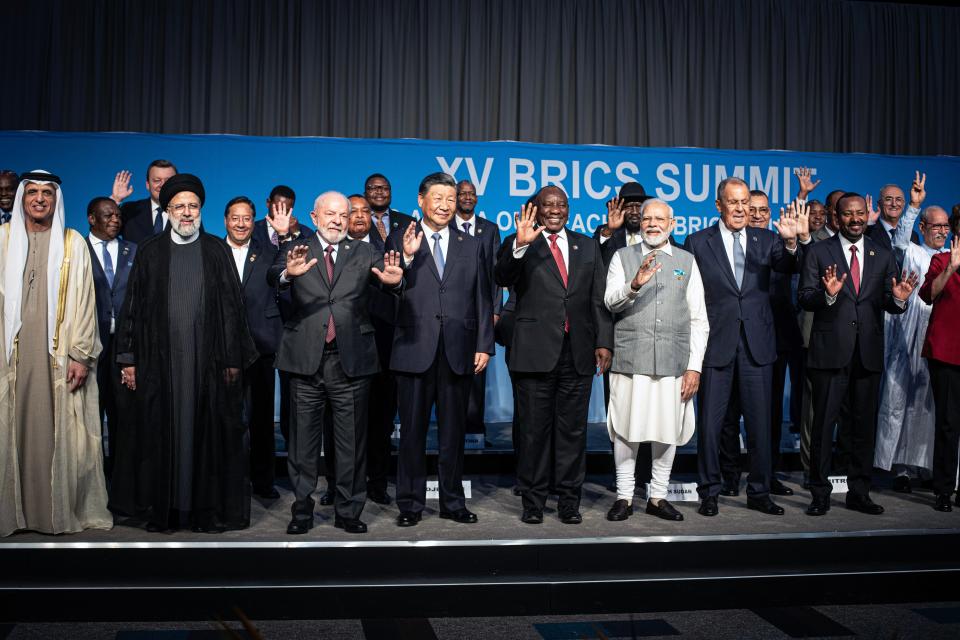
x,y
5,217
466,227
892,231
631,239
738,259
158,222
382,230
274,238
558,258
438,254
854,269
107,264
328,258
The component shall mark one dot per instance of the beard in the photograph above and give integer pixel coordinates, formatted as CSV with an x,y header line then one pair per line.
x,y
658,241
185,229
333,236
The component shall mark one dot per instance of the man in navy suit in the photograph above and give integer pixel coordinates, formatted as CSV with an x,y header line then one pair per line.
x,y
443,337
253,258
111,260
562,336
736,262
848,282
379,193
143,219
488,233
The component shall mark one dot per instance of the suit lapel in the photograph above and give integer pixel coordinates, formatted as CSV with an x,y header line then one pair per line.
x,y
715,242
252,252
836,250
573,258
542,246
752,255
868,264
123,262
344,252
425,252
454,249
316,251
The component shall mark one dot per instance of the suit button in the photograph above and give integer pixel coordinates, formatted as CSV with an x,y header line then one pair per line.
x,y
441,289
853,322
333,300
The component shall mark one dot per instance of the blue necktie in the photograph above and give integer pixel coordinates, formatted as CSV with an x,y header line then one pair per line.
x,y
438,254
738,259
107,264
466,227
158,222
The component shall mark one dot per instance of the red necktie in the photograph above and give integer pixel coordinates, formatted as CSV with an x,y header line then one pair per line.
x,y
558,258
855,269
331,331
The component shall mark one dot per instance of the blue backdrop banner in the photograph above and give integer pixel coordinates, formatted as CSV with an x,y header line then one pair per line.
x,y
505,175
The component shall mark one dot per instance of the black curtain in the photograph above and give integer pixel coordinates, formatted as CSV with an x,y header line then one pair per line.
x,y
812,75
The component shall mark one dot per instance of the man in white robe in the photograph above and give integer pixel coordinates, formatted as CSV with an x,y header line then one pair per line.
x,y
905,427
660,335
51,460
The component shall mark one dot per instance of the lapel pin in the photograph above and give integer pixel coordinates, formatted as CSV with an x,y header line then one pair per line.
x,y
575,247
346,246
459,238
479,231
126,250
871,253
253,257
754,238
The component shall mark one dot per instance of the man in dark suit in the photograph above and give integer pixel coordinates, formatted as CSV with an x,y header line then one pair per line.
x,y
253,258
789,354
848,282
329,349
111,260
281,196
891,208
562,336
443,337
382,409
736,263
488,233
143,219
378,192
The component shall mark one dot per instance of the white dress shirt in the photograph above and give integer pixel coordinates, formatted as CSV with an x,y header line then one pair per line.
x,y
154,205
472,222
428,239
727,236
561,242
113,248
239,256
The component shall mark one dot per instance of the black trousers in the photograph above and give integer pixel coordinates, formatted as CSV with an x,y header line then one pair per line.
x,y
730,435
347,399
945,379
263,449
109,388
417,395
475,404
856,434
380,420
750,383
553,420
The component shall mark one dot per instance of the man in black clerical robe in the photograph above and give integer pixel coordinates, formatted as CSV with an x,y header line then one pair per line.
x,y
183,343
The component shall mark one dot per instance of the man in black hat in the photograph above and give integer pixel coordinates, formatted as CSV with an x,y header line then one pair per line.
x,y
623,221
183,343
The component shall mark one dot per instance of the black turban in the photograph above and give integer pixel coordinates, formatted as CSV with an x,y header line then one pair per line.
x,y
179,183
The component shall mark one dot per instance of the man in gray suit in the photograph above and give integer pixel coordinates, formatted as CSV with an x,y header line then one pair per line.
x,y
329,350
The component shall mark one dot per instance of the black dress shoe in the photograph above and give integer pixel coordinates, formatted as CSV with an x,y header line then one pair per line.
x,y
408,519
570,516
621,510
155,528
532,516
708,506
729,491
327,498
664,510
350,525
943,503
956,499
267,494
299,526
380,496
765,505
819,507
777,488
901,484
460,515
863,504
517,492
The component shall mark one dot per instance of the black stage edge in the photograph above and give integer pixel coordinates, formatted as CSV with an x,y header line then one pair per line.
x,y
70,581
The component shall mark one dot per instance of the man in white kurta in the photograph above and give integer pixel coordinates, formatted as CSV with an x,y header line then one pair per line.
x,y
660,335
51,461
905,426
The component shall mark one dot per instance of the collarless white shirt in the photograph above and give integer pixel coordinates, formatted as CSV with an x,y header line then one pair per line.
x,y
239,256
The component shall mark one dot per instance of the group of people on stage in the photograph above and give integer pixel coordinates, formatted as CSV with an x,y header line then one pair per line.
x,y
171,337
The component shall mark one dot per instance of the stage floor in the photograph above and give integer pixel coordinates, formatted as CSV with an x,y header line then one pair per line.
x,y
499,510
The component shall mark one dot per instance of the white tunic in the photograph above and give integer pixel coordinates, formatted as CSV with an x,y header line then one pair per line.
x,y
647,408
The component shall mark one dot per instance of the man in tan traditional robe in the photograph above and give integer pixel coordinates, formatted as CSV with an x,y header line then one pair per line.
x,y
51,461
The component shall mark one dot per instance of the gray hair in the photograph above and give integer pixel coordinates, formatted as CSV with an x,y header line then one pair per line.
x,y
924,214
731,180
326,195
647,203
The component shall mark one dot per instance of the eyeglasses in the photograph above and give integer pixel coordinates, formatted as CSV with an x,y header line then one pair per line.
x,y
891,199
938,227
763,210
373,188
178,209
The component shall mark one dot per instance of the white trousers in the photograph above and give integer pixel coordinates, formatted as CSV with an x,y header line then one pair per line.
x,y
625,459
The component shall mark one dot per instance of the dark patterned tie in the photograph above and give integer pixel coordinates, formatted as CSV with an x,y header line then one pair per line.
x,y
331,330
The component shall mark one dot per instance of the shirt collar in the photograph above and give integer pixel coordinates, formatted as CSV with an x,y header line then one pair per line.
x,y
666,248
845,243
95,241
428,233
887,226
154,205
245,245
561,235
726,232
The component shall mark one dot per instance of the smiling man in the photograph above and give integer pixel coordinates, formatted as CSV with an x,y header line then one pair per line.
x,y
50,446
443,337
8,188
562,337
847,282
183,344
112,260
